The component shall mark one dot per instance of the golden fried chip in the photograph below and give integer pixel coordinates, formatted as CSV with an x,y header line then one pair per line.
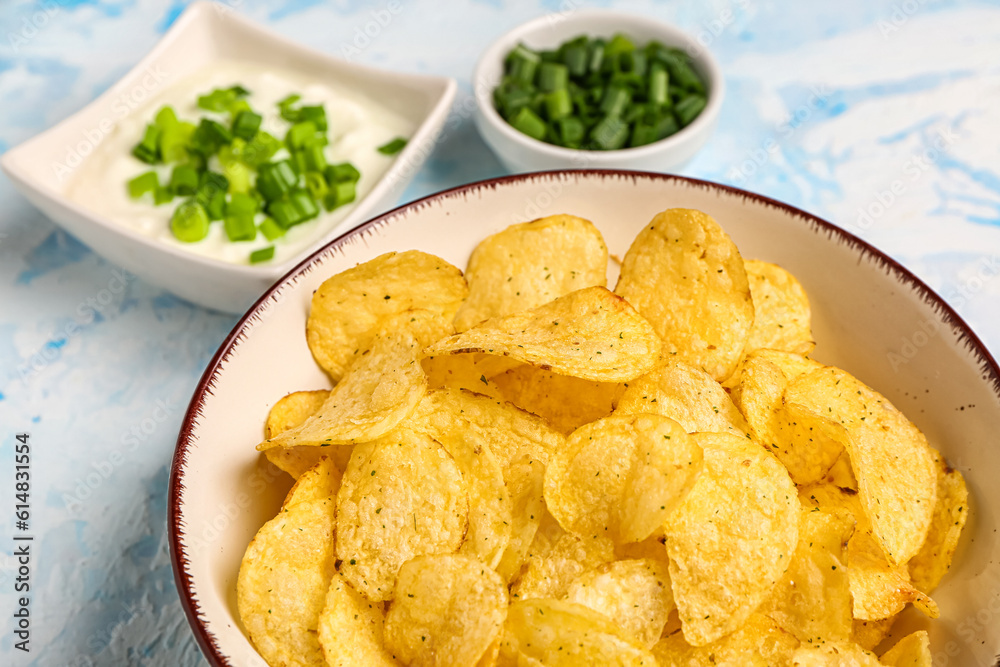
x,y
511,433
685,275
489,502
950,512
377,393
401,496
621,476
529,264
781,310
731,539
350,629
869,634
879,589
590,333
447,611
840,654
894,466
635,594
281,589
687,395
289,412
319,482
802,446
913,650
524,479
840,474
352,306
565,402
470,372
557,633
813,598
759,642
556,558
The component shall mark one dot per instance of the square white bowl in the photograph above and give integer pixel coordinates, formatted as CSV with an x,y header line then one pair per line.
x,y
204,34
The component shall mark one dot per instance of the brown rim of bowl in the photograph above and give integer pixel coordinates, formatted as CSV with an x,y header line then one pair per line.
x,y
178,558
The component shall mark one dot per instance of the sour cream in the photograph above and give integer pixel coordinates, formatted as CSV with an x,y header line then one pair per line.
x,y
357,127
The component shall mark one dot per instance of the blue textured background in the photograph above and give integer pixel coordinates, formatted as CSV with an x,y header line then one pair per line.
x,y
828,105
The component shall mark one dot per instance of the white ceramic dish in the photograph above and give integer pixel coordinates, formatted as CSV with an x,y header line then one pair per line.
x,y
867,310
519,152
205,33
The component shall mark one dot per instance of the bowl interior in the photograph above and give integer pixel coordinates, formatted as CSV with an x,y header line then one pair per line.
x,y
865,309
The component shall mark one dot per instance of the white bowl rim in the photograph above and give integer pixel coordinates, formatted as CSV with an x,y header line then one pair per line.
x,y
988,366
484,91
194,12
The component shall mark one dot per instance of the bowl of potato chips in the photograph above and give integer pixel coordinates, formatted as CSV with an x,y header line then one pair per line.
x,y
593,417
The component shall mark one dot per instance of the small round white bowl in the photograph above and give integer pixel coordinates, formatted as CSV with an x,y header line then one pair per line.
x,y
519,152
870,316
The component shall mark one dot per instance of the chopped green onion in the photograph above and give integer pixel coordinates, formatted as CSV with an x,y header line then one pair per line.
x,y
314,114
338,173
575,58
147,150
689,108
210,136
392,147
284,213
213,180
316,185
220,99
260,149
163,195
241,204
189,222
246,124
528,122
658,82
339,194
616,99
275,179
143,183
166,118
314,158
558,104
300,134
304,204
215,204
271,230
610,133
571,131
619,44
184,180
174,140
522,64
262,255
240,227
552,76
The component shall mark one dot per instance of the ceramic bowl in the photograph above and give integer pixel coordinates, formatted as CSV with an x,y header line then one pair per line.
x,y
870,316
207,33
519,152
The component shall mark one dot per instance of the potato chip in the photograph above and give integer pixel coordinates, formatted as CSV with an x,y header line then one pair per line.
x,y
635,594
781,310
802,446
590,333
556,558
879,590
447,611
352,306
621,476
565,402
841,654
687,395
950,512
510,432
350,629
524,479
529,264
913,650
813,598
470,372
759,642
685,275
401,496
281,589
869,634
840,473
377,393
289,412
319,482
558,633
894,466
489,502
731,538
653,547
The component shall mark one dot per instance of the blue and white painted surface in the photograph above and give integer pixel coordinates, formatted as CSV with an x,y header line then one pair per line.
x,y
879,116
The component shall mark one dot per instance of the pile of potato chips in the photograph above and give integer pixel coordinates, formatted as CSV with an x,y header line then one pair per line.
x,y
518,466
